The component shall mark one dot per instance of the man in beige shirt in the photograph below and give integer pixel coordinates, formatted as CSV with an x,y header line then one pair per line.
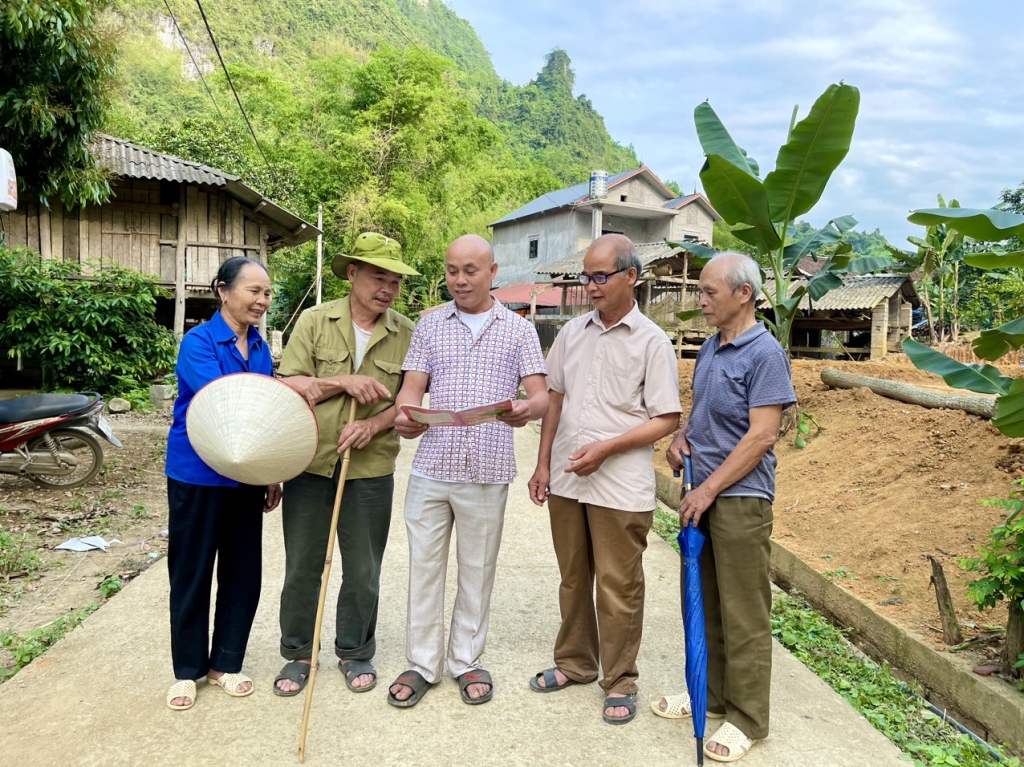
x,y
614,392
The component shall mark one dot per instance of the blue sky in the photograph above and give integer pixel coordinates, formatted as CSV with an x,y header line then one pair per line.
x,y
942,96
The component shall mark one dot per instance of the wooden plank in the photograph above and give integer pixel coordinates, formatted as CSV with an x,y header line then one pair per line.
x,y
214,230
190,219
57,231
180,260
95,244
206,257
134,221
71,235
83,237
264,234
237,228
44,233
113,245
32,216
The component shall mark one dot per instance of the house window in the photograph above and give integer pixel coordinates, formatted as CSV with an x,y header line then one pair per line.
x,y
533,247
622,197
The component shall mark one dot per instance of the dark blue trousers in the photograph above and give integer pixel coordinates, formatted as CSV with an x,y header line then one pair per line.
x,y
222,525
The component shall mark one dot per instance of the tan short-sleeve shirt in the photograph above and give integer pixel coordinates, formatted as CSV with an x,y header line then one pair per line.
x,y
613,379
323,345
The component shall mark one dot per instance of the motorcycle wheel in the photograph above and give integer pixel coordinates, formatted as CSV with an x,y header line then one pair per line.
x,y
85,449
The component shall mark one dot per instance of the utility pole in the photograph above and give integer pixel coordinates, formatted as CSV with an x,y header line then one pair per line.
x,y
320,255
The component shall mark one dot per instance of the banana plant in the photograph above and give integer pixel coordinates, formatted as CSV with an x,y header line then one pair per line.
x,y
766,208
984,226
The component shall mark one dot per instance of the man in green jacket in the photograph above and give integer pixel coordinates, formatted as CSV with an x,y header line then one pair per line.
x,y
350,348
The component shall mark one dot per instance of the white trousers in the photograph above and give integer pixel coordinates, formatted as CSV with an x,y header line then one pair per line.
x,y
477,511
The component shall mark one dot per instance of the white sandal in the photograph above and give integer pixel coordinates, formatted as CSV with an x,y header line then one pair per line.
x,y
182,688
678,707
230,682
734,740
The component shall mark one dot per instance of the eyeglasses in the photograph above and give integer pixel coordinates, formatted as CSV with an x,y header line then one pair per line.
x,y
597,279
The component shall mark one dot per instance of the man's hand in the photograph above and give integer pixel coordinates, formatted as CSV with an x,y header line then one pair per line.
x,y
273,498
693,506
366,390
588,459
357,435
307,386
539,485
677,450
518,416
408,428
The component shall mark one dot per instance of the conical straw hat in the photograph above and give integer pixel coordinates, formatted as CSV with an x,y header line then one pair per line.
x,y
252,428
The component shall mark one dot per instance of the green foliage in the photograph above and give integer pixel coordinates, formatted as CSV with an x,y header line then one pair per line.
x,y
30,645
58,64
873,690
803,430
14,560
95,334
110,585
1001,559
762,213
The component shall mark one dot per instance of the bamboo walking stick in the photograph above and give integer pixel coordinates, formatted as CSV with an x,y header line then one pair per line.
x,y
323,592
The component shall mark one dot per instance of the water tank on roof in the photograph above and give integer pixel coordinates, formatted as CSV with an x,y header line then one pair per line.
x,y
8,182
598,184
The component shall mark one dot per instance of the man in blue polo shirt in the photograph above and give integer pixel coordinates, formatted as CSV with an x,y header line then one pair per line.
x,y
741,384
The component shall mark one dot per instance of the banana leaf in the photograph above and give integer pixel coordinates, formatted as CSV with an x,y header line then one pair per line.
x,y
715,139
832,232
816,146
987,225
740,199
689,314
994,343
983,379
1010,410
996,260
701,253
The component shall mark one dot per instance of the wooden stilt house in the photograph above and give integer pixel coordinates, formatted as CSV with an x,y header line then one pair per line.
x,y
173,219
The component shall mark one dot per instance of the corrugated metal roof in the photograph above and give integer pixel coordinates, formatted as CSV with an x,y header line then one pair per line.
x,y
561,198
128,160
857,293
649,253
679,202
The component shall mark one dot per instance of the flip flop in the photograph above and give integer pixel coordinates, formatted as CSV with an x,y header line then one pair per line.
x,y
352,668
550,681
628,702
294,671
229,684
182,688
475,676
732,738
414,681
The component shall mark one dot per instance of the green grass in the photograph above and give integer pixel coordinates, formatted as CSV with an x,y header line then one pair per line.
x,y
30,645
925,739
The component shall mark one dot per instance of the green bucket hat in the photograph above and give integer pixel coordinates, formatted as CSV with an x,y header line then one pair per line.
x,y
375,249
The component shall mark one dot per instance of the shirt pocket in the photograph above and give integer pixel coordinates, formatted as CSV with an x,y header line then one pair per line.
x,y
622,387
728,399
332,362
388,373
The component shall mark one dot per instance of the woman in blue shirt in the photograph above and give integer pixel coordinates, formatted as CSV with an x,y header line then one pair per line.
x,y
213,518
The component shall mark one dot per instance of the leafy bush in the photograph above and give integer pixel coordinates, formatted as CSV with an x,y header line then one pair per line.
x,y
90,332
110,585
1002,565
14,560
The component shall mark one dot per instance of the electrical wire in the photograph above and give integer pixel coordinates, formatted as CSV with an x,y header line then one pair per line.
x,y
194,62
238,101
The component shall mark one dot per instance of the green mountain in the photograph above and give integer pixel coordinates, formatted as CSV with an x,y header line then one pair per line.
x,y
387,112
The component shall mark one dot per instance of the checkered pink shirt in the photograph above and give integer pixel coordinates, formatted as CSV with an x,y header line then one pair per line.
x,y
465,373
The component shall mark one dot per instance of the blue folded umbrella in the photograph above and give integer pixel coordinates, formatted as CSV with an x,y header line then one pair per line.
x,y
691,543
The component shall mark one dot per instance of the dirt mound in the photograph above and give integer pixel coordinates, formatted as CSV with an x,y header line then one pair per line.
x,y
884,485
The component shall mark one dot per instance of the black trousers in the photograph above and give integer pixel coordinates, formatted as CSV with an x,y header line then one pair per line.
x,y
208,524
363,525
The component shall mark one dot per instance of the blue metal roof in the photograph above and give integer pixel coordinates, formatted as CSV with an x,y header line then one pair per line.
x,y
561,198
679,202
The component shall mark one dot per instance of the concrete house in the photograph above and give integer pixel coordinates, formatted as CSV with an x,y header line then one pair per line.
x,y
563,222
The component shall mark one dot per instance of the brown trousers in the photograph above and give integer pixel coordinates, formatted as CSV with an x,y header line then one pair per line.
x,y
606,546
737,610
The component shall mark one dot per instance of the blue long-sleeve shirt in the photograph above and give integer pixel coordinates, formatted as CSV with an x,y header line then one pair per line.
x,y
207,352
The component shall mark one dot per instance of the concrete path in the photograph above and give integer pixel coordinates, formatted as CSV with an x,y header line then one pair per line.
x,y
97,698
